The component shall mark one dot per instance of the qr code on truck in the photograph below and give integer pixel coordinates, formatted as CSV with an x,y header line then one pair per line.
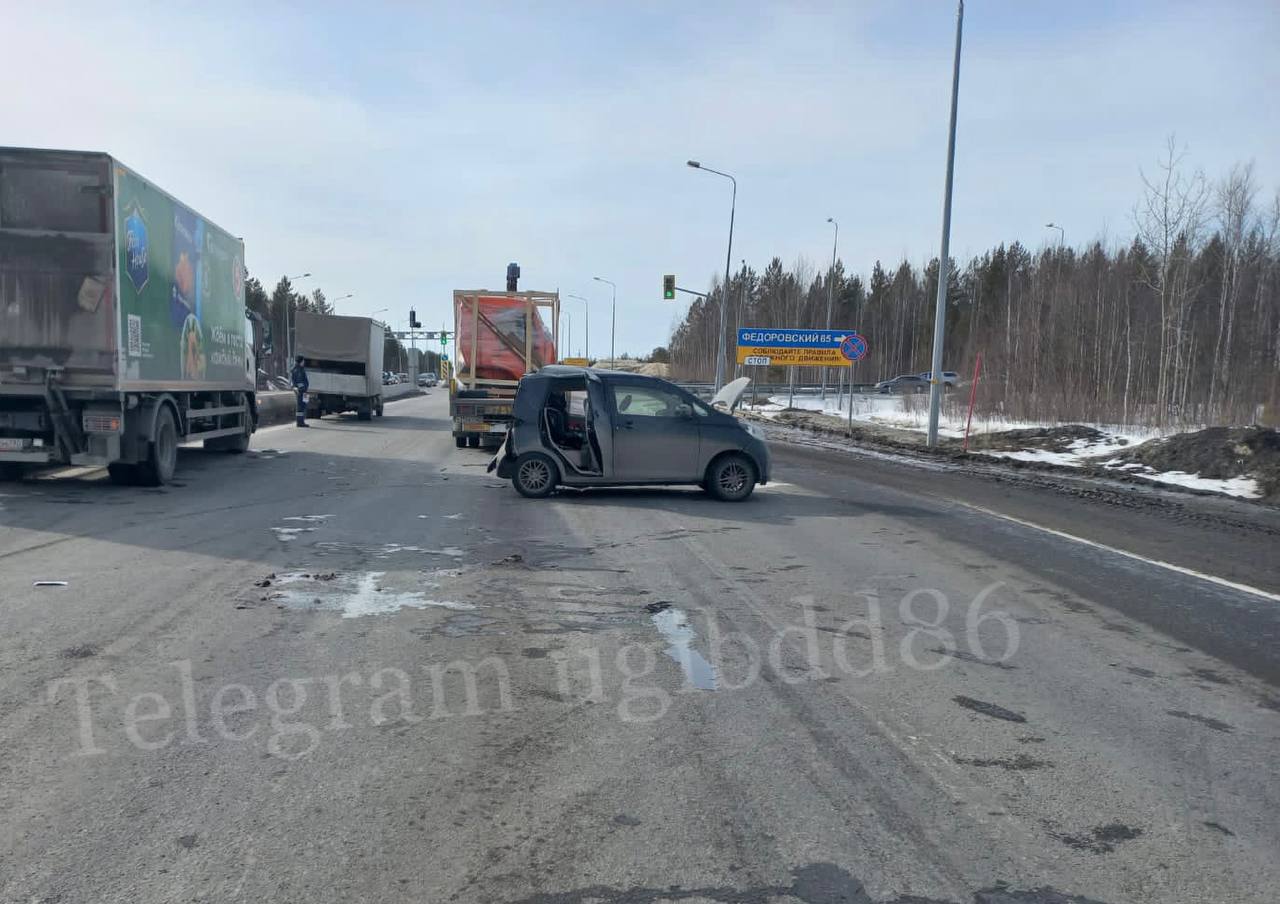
x,y
135,336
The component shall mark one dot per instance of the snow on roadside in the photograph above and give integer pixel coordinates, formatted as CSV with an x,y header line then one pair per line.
x,y
911,413
1240,487
1076,455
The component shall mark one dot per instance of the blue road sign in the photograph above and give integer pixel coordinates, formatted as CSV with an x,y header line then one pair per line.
x,y
761,337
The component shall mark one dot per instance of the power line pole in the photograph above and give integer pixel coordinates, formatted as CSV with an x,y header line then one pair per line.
x,y
831,288
944,256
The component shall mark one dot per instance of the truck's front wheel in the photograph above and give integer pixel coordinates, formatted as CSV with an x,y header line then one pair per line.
x,y
158,469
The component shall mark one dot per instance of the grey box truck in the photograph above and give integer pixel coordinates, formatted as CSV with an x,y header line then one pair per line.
x,y
343,357
123,330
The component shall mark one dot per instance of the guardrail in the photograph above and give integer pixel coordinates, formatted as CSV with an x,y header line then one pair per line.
x,y
705,390
276,407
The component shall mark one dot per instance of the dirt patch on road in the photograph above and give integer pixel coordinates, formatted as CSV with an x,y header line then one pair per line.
x,y
1220,453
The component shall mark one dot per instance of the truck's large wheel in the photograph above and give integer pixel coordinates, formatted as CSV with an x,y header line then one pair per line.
x,y
236,445
364,412
460,441
123,475
158,469
12,471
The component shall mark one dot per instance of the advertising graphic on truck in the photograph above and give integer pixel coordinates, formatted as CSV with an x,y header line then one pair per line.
x,y
182,298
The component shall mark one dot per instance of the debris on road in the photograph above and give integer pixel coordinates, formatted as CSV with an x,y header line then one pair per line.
x,y
49,584
989,709
1100,839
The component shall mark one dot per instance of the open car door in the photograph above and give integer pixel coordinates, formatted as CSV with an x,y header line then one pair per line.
x,y
599,426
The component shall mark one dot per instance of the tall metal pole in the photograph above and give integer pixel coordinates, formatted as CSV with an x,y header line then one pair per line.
x,y
586,307
724,300
613,319
728,257
944,255
737,317
288,330
831,288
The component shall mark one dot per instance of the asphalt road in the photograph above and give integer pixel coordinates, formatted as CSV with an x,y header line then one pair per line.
x,y
351,666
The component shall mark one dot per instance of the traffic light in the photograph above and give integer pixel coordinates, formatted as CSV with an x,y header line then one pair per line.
x,y
669,287
413,320
444,338
513,276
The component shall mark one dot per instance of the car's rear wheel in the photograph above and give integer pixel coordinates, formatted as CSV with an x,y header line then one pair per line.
x,y
731,478
535,475
12,471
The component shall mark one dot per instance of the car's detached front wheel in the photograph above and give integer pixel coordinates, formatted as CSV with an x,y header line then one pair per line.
x,y
731,478
535,475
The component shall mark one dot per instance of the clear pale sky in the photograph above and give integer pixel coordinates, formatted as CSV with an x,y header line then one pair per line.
x,y
400,150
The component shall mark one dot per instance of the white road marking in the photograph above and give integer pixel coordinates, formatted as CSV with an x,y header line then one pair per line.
x,y
1168,566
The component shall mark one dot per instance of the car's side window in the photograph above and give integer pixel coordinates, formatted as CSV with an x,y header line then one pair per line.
x,y
646,401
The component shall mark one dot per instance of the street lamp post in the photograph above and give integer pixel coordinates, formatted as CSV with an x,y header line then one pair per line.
x,y
831,288
342,297
724,299
587,329
288,328
1062,233
613,320
944,253
737,320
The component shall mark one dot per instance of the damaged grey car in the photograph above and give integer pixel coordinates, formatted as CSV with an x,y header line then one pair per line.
x,y
580,427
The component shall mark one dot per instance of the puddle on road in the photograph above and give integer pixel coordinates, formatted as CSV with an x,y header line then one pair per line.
x,y
309,519
465,625
384,550
353,595
674,626
287,534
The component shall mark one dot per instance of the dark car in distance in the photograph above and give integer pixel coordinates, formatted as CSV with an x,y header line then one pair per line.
x,y
581,427
904,383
